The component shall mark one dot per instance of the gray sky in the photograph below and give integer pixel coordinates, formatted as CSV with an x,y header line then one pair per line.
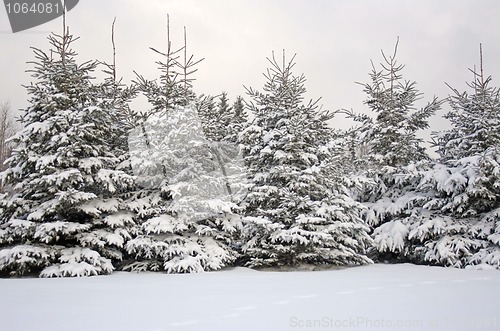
x,y
334,41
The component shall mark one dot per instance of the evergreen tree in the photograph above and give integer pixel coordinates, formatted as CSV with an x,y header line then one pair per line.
x,y
239,121
117,97
298,211
391,136
188,216
447,214
223,104
222,122
452,207
475,121
65,218
186,209
221,125
239,110
467,188
216,117
386,152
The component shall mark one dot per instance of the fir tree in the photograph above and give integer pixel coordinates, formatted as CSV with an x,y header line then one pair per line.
x,y
239,110
221,125
64,218
7,129
391,136
385,150
187,215
216,117
297,209
467,188
239,121
449,212
118,96
475,121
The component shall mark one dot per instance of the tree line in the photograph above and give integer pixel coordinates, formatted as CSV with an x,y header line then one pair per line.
x,y
193,183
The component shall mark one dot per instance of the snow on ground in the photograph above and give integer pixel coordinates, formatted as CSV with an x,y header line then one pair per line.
x,y
374,297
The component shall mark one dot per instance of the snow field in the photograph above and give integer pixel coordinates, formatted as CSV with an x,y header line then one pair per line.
x,y
374,297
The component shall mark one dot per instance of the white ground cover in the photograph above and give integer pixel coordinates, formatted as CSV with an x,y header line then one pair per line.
x,y
374,297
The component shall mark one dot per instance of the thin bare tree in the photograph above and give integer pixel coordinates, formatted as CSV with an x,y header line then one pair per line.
x,y
7,129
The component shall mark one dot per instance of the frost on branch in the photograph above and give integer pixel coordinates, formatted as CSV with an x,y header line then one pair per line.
x,y
25,259
78,262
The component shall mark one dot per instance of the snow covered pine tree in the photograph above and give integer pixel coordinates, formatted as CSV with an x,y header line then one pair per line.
x,y
239,121
65,217
185,209
388,152
447,212
465,185
298,212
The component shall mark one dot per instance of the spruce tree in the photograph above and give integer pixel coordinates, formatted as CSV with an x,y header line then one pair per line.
x,y
386,151
298,211
185,207
64,218
215,117
239,120
466,183
222,125
117,96
449,214
474,118
391,137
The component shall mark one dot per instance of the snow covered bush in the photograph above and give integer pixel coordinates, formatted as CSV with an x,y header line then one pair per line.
x,y
65,216
298,210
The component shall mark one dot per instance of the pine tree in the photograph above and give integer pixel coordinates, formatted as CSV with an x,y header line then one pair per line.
x,y
240,114
391,136
451,207
188,217
117,96
466,184
222,125
387,153
239,121
186,209
64,218
216,117
475,121
297,209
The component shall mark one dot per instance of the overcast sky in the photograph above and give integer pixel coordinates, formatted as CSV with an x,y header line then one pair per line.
x,y
334,41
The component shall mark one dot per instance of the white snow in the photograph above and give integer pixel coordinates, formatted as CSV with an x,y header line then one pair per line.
x,y
390,236
373,297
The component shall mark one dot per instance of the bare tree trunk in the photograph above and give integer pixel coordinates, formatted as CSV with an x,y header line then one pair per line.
x,y
6,131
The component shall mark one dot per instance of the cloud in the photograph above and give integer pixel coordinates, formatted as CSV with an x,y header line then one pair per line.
x,y
334,42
